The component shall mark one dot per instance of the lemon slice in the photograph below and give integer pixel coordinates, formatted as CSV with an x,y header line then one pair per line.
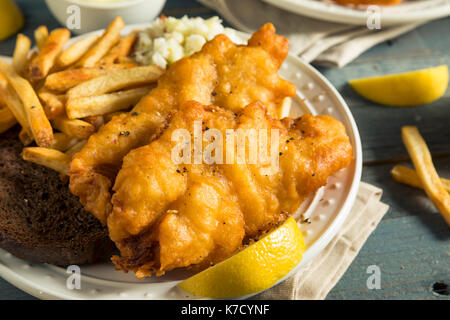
x,y
11,19
404,89
256,268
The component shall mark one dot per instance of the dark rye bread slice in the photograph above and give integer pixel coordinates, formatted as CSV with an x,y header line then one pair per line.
x,y
40,220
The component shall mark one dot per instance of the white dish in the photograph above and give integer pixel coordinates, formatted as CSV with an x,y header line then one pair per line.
x,y
97,15
327,210
405,12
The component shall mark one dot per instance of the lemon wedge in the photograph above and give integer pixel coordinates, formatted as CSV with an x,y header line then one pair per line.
x,y
256,268
11,19
404,89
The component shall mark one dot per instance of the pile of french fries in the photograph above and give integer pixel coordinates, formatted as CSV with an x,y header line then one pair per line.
x,y
60,94
425,176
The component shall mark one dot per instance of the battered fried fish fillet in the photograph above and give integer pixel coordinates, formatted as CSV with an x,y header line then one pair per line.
x,y
222,73
168,215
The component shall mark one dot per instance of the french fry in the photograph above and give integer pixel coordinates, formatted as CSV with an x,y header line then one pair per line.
x,y
421,158
106,103
20,56
33,54
14,104
116,80
40,126
54,104
64,80
122,49
74,128
25,138
41,65
76,50
109,38
63,142
96,121
41,36
7,119
76,148
49,158
409,177
125,60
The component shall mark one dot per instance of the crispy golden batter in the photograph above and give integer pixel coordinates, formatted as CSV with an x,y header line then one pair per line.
x,y
222,73
169,215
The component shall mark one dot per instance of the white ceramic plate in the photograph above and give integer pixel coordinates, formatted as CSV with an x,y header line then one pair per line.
x,y
327,210
409,11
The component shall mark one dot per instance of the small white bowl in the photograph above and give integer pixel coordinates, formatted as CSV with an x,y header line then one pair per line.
x,y
93,15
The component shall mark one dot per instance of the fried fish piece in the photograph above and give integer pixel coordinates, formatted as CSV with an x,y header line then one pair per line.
x,y
169,215
222,73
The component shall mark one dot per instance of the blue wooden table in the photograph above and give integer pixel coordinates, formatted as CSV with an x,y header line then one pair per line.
x,y
412,243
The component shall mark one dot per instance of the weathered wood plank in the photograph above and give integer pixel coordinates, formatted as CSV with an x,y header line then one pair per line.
x,y
410,257
9,292
412,243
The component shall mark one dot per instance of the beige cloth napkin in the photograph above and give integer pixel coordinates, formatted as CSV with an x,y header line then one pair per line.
x,y
321,42
316,279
